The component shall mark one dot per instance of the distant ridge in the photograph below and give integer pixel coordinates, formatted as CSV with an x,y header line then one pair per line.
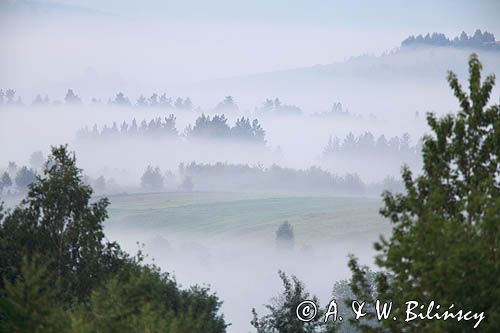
x,y
479,40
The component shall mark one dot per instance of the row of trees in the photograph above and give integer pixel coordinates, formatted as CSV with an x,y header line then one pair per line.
x,y
58,272
8,97
162,101
234,177
155,100
480,40
217,127
205,127
155,128
366,143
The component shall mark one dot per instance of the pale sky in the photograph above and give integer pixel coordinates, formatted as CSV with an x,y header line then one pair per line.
x,y
445,14
165,40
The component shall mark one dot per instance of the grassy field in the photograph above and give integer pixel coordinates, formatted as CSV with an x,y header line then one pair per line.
x,y
246,215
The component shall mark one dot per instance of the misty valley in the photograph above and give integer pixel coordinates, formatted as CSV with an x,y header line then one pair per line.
x,y
146,188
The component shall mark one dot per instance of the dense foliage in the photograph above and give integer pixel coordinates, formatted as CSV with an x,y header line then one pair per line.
x,y
282,316
223,176
445,243
58,273
217,128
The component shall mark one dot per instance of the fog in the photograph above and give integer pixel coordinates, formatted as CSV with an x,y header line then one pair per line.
x,y
295,141
319,118
243,270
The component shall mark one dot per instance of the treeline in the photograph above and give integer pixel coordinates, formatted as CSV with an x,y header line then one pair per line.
x,y
156,101
479,40
58,272
235,177
8,97
205,127
367,144
155,128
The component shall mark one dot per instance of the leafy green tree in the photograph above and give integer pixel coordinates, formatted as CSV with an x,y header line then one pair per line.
x,y
198,312
30,304
445,243
142,299
85,284
56,220
131,304
283,318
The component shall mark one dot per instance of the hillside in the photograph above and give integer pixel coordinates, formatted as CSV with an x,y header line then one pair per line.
x,y
409,72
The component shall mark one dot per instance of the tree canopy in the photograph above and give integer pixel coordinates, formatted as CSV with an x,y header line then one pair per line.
x,y
445,242
58,272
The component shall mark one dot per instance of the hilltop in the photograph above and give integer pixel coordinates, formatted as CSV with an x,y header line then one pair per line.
x,y
478,41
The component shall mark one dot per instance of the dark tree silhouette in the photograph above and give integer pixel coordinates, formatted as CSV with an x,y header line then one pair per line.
x,y
285,238
71,98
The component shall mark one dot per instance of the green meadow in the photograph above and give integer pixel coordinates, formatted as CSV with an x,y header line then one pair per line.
x,y
314,217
